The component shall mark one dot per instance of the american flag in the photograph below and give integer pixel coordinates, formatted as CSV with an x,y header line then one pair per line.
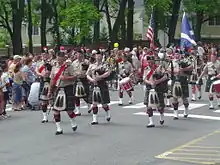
x,y
150,32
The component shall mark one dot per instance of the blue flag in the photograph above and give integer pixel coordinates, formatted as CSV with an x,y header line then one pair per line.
x,y
187,34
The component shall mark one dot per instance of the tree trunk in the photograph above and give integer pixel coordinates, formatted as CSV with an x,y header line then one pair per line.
x,y
118,20
96,27
108,19
30,29
56,23
173,20
199,21
123,32
130,23
17,15
43,24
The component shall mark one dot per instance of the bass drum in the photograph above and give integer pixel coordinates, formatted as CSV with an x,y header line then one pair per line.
x,y
215,87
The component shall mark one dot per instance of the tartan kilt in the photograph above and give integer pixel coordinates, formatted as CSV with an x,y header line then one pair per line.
x,y
70,98
104,92
42,82
86,85
184,85
160,94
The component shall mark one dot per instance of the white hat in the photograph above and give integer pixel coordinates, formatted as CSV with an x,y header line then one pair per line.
x,y
16,57
94,52
134,49
127,49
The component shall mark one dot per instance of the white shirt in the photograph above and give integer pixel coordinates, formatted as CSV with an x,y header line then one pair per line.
x,y
201,51
5,80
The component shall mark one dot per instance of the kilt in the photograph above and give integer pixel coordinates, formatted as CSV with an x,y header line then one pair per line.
x,y
104,92
208,84
42,82
160,94
86,85
70,101
184,85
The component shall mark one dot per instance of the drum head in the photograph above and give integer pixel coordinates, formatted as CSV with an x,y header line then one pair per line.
x,y
216,82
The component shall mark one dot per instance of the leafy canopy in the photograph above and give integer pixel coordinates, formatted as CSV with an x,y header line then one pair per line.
x,y
80,15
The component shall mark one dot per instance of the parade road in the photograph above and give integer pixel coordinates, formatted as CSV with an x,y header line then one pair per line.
x,y
124,141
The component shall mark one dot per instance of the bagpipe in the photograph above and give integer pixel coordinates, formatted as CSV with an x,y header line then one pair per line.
x,y
184,63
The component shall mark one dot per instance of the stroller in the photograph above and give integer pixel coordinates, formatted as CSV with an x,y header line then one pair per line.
x,y
33,97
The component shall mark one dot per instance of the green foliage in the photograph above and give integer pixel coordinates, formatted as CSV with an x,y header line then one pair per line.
x,y
161,5
81,15
206,7
4,38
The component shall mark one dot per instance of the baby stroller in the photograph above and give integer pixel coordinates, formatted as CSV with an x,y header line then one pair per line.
x,y
33,97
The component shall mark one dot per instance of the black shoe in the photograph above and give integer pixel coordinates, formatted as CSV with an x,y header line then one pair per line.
x,y
162,122
120,104
59,133
150,126
108,119
74,128
175,118
185,116
44,121
94,123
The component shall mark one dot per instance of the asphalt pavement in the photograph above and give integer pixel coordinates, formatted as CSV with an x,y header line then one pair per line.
x,y
124,141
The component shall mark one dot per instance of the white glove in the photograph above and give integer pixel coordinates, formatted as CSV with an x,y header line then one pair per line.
x,y
212,78
197,82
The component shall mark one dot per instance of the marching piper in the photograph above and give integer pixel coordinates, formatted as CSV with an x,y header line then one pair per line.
x,y
155,78
197,70
125,70
61,85
180,69
99,92
212,69
43,70
80,66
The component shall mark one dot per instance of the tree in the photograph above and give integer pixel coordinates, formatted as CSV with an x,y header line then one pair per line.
x,y
161,9
30,24
81,15
173,20
11,17
203,10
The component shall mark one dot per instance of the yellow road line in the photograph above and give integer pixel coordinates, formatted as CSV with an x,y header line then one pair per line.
x,y
204,147
191,161
195,150
189,158
191,154
193,142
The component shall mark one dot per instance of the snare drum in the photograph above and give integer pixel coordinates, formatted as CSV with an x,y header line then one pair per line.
x,y
126,84
216,86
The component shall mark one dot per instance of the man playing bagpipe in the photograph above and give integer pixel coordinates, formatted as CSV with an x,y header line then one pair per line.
x,y
155,79
61,85
80,66
180,69
99,92
43,70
